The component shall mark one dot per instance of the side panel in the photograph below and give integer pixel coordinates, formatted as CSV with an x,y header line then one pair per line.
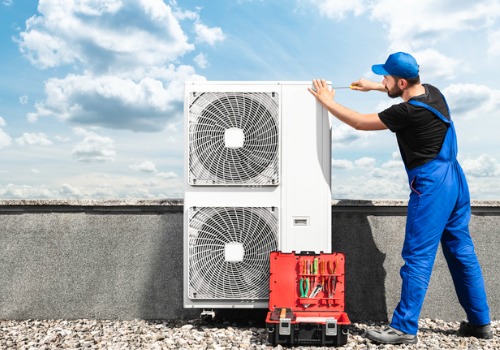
x,y
306,172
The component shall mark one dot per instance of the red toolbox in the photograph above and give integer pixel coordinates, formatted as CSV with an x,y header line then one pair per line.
x,y
306,299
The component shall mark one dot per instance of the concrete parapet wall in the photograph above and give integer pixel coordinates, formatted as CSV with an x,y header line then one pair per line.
x,y
123,259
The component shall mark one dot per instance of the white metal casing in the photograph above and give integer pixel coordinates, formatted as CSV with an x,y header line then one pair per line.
x,y
299,197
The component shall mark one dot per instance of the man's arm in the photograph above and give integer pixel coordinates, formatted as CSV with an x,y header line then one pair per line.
x,y
358,121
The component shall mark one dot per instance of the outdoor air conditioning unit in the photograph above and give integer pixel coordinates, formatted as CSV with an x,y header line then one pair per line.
x,y
257,179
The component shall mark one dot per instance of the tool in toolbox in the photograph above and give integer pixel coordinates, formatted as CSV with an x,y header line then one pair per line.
x,y
304,281
317,287
332,278
306,299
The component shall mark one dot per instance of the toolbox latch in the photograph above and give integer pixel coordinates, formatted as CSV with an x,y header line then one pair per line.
x,y
331,327
285,327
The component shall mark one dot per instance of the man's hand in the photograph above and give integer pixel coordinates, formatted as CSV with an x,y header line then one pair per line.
x,y
323,94
367,85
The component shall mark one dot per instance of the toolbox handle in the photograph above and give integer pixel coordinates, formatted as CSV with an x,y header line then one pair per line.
x,y
307,252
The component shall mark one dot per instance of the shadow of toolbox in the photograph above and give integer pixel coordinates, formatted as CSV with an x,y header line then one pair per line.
x,y
306,299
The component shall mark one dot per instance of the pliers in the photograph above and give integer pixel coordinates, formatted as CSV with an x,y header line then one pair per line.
x,y
304,287
304,268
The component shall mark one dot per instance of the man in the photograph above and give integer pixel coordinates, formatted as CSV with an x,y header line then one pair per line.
x,y
439,204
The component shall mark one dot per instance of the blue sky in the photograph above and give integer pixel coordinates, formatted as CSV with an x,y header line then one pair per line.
x,y
91,91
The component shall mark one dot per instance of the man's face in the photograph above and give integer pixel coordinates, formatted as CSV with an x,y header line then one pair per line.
x,y
391,85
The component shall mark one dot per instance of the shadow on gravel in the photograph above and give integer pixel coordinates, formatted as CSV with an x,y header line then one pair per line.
x,y
238,318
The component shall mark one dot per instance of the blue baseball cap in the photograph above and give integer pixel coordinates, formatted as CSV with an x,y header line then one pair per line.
x,y
399,64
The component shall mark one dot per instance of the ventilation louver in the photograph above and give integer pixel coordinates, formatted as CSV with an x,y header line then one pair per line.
x,y
229,251
233,138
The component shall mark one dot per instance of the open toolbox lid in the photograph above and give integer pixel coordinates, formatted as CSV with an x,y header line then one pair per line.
x,y
322,278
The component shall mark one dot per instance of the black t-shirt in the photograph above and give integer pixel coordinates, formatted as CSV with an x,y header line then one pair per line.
x,y
420,133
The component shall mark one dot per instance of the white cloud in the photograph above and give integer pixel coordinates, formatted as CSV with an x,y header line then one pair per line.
x,y
62,138
93,148
43,49
23,99
343,134
396,162
365,162
30,139
418,25
65,191
24,192
342,164
393,164
115,102
494,42
201,60
365,187
435,65
149,167
146,166
361,163
396,155
361,179
103,35
407,29
338,9
127,51
472,101
482,166
5,140
208,35
167,175
71,192
362,182
181,14
388,172
390,179
106,186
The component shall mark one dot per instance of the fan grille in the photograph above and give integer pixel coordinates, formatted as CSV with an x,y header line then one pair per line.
x,y
210,231
255,115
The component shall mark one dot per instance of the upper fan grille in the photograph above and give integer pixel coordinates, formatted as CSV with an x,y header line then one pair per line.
x,y
211,276
255,160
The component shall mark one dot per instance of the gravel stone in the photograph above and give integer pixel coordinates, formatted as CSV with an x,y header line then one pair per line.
x,y
206,335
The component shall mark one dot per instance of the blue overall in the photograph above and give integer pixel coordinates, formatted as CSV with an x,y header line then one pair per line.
x,y
439,211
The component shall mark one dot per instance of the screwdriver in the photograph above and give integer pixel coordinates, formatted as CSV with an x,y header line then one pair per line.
x,y
315,269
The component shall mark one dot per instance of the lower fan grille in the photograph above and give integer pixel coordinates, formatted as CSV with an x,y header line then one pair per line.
x,y
229,251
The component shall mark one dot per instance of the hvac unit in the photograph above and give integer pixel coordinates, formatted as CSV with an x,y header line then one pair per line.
x,y
257,179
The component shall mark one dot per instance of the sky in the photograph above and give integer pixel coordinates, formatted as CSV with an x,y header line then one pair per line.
x,y
91,91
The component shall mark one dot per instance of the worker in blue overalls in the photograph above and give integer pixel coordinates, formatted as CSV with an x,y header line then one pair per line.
x,y
439,204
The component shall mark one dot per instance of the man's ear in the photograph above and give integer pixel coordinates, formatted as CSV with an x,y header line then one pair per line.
x,y
402,83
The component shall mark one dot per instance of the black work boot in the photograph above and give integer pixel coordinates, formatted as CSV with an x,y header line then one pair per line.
x,y
468,330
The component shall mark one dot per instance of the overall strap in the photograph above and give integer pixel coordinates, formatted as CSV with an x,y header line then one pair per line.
x,y
449,147
432,109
